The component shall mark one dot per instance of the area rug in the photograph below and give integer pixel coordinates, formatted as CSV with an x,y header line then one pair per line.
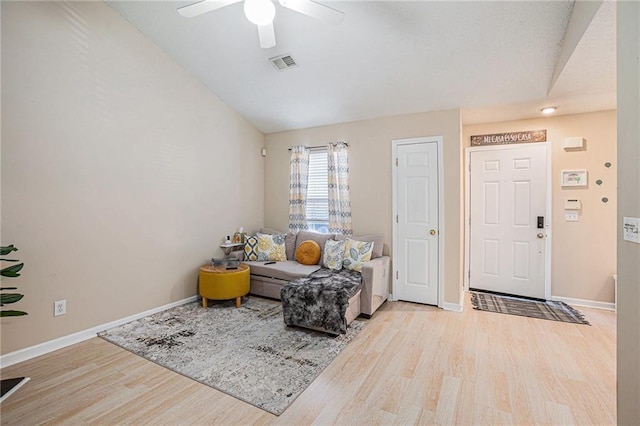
x,y
555,311
245,352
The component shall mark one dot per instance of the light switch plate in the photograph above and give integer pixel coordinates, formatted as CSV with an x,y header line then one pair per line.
x,y
631,231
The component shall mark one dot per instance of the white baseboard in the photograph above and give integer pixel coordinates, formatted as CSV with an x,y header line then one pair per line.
x,y
71,339
607,306
454,307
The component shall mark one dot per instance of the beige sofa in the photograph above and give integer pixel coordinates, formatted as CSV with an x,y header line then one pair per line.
x,y
268,280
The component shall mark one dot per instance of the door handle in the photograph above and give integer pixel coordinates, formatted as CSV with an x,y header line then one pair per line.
x,y
540,235
432,232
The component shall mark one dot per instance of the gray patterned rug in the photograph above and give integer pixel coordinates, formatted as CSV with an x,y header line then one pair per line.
x,y
246,352
555,311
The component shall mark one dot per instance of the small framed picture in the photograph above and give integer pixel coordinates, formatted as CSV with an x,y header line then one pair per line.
x,y
574,178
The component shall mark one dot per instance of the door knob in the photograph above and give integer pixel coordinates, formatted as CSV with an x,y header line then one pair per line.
x,y
540,235
432,232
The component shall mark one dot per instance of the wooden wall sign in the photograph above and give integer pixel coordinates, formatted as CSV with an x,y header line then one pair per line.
x,y
509,138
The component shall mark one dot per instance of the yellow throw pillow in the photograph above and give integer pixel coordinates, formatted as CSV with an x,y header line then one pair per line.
x,y
271,247
308,253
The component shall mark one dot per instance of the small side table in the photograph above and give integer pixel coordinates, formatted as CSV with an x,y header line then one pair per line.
x,y
220,283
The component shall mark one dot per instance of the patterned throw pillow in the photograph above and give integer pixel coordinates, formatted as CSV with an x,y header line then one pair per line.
x,y
251,248
356,254
271,247
334,254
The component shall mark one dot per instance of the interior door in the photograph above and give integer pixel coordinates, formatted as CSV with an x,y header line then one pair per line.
x,y
417,223
508,198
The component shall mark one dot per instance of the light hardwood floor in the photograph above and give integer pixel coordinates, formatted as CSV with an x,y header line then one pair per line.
x,y
412,364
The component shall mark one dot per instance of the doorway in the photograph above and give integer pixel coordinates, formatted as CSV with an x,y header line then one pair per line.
x,y
508,219
417,220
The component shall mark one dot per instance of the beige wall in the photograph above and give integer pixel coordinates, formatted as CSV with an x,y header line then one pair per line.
x,y
120,171
583,252
628,205
370,177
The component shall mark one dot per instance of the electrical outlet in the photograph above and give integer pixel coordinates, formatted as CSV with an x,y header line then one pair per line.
x,y
59,308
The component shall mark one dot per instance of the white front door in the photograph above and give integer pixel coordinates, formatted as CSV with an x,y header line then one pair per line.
x,y
508,198
416,242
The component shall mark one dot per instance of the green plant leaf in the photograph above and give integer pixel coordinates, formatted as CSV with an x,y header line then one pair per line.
x,y
12,271
8,288
6,298
12,313
4,250
10,260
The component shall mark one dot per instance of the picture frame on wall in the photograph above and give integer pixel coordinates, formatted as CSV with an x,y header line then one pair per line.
x,y
574,178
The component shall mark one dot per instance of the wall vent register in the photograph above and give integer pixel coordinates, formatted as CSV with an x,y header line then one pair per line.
x,y
283,62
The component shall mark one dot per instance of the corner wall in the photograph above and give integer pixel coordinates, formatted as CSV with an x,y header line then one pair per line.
x,y
583,253
370,177
120,171
628,205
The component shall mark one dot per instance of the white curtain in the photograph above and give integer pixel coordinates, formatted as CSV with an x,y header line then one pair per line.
x,y
299,173
338,177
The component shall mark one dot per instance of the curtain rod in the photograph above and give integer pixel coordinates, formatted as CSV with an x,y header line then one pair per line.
x,y
321,146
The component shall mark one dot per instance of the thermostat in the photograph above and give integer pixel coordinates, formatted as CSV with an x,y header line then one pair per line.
x,y
572,205
573,143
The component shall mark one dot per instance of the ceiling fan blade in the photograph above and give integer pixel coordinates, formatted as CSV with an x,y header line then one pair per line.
x,y
315,10
267,35
195,9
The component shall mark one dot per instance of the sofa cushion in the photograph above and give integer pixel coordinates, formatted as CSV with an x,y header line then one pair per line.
x,y
289,270
303,236
290,245
357,253
376,239
251,248
308,253
271,247
333,254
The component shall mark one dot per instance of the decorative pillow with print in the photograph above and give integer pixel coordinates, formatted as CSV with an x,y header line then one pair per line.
x,y
251,248
271,247
356,254
334,254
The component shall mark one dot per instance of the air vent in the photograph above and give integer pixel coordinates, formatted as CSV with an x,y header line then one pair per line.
x,y
283,62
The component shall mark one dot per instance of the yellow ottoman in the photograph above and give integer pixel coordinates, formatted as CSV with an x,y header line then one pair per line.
x,y
220,283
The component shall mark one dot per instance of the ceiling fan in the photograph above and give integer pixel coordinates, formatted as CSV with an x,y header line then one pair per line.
x,y
262,12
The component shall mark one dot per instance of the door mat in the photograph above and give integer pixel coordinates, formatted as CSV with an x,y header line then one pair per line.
x,y
555,311
245,352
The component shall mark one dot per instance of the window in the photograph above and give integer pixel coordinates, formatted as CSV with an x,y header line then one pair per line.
x,y
318,192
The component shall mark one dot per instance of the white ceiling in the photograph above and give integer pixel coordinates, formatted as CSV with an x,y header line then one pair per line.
x,y
493,59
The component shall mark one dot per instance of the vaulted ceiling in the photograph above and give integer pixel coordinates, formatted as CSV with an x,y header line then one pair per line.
x,y
495,60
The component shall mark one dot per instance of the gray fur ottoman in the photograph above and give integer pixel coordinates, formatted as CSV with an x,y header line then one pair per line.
x,y
325,300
